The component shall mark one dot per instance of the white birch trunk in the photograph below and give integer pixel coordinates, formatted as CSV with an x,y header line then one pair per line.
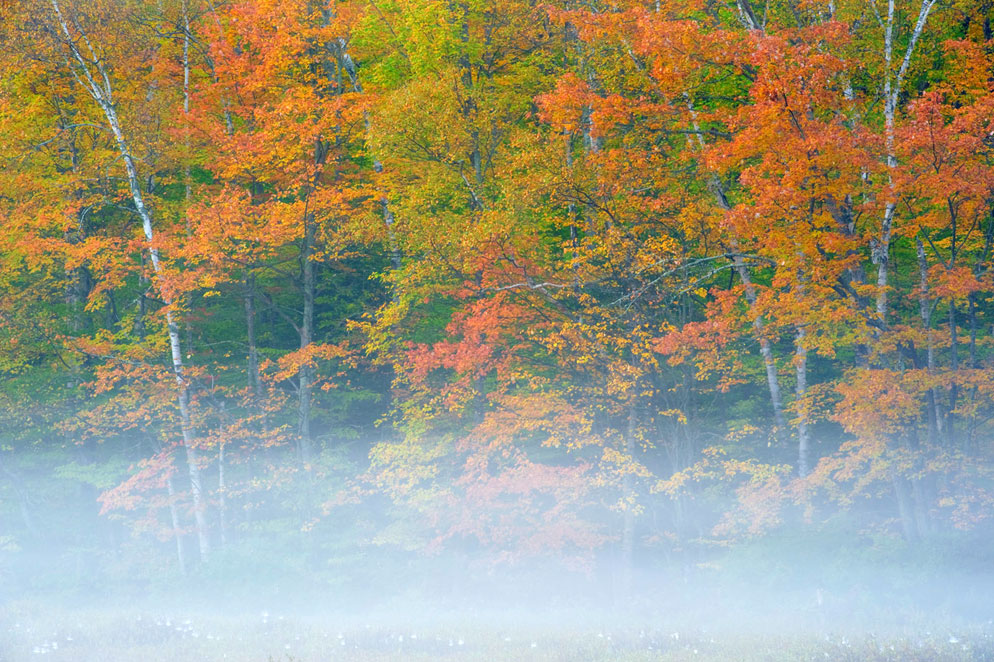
x,y
222,494
86,71
892,92
801,392
628,521
305,378
177,529
186,103
925,310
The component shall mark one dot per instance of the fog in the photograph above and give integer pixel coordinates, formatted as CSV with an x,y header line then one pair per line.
x,y
79,584
508,617
942,620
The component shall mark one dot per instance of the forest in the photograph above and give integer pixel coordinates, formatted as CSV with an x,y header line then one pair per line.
x,y
354,294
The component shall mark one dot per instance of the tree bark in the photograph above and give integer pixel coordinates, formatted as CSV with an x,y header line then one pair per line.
x,y
628,523
222,494
254,376
305,378
904,508
388,218
892,92
925,310
22,498
801,394
177,529
91,73
765,348
954,367
186,102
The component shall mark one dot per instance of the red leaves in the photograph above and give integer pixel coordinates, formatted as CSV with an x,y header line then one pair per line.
x,y
150,476
956,283
564,106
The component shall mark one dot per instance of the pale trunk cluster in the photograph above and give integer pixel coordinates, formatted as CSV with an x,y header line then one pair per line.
x,y
801,394
910,503
892,92
305,379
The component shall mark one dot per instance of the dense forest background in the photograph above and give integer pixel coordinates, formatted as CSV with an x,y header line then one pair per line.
x,y
338,293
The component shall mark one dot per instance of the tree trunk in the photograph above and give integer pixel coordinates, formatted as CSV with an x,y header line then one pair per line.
x,y
969,439
919,482
892,92
305,378
177,529
22,499
222,494
86,71
388,218
628,495
765,349
801,393
954,367
904,508
186,104
254,376
925,310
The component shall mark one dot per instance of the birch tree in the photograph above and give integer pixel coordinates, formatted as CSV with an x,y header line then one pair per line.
x,y
87,64
893,85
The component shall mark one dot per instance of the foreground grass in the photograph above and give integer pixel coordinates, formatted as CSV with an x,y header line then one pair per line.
x,y
34,631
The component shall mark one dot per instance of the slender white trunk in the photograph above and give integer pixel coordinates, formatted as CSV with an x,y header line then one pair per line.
x,y
177,529
254,376
306,376
892,92
881,251
925,309
747,16
801,393
628,523
186,101
765,348
86,71
222,494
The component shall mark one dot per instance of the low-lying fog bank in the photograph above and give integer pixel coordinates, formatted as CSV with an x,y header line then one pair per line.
x,y
733,608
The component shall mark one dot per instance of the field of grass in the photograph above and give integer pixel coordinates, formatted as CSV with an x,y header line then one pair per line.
x,y
31,630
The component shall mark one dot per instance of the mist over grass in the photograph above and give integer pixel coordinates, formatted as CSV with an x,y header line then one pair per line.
x,y
98,588
791,596
775,629
348,584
